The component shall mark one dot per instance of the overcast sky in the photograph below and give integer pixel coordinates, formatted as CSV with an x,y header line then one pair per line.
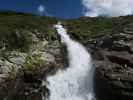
x,y
70,8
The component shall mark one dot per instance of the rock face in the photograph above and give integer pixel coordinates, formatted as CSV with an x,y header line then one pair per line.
x,y
23,74
113,58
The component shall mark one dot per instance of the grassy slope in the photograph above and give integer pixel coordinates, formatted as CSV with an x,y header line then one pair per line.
x,y
10,22
85,28
82,28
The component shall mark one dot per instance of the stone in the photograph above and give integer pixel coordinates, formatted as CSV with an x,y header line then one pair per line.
x,y
17,58
113,58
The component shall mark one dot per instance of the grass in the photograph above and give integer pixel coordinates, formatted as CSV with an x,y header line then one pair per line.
x,y
10,22
81,29
32,64
86,27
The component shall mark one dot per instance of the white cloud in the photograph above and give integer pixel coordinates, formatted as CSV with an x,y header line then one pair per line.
x,y
41,8
107,7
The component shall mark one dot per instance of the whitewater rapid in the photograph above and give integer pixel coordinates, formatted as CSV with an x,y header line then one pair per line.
x,y
76,82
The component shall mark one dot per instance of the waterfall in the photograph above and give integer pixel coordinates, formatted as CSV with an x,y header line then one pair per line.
x,y
76,82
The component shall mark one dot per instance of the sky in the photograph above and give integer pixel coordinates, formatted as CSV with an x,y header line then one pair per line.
x,y
56,8
70,8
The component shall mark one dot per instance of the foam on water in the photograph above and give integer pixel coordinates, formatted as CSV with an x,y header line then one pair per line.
x,y
76,82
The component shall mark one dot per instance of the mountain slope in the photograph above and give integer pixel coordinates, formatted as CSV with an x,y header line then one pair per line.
x,y
28,41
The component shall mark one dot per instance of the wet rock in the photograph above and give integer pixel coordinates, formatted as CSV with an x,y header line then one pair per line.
x,y
113,58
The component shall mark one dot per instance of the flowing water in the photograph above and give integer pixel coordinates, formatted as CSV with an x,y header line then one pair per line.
x,y
76,82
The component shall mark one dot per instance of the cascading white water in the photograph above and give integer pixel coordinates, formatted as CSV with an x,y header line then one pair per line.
x,y
76,82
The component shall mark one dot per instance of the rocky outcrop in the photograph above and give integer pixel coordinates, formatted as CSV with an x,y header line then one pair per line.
x,y
113,58
23,74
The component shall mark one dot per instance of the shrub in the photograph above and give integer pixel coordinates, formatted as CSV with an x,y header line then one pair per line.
x,y
20,40
32,63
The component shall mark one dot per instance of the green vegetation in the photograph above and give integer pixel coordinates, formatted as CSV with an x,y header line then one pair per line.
x,y
81,29
13,21
33,63
12,74
19,40
16,29
51,34
86,27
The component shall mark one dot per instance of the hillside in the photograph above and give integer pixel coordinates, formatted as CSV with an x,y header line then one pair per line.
x,y
81,28
30,49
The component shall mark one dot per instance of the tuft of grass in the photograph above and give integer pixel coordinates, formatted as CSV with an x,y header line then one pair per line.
x,y
33,64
